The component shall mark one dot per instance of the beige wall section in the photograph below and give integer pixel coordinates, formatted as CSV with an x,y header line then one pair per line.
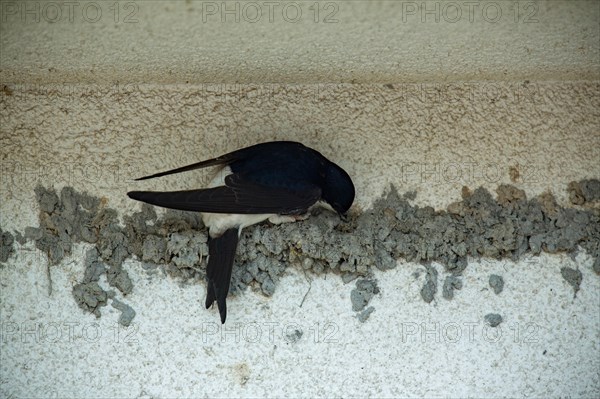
x,y
353,41
433,139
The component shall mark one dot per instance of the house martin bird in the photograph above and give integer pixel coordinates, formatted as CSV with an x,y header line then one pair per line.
x,y
279,181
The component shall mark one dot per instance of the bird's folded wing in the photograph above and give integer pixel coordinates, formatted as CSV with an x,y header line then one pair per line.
x,y
198,165
227,159
237,196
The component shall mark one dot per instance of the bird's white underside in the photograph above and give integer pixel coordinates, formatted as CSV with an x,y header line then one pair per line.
x,y
218,223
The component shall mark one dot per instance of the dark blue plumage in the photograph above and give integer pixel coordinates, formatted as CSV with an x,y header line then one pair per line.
x,y
279,181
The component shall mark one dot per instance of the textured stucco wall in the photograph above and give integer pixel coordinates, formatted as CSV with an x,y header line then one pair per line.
x,y
430,138
428,106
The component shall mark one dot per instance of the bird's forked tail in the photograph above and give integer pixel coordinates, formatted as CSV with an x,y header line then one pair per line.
x,y
221,253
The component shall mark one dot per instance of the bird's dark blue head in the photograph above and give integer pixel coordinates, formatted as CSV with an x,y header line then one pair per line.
x,y
338,190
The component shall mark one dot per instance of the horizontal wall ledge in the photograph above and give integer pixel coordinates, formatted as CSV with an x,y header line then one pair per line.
x,y
298,42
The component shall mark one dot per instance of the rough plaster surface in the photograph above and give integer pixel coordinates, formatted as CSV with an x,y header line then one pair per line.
x,y
546,346
93,105
432,139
